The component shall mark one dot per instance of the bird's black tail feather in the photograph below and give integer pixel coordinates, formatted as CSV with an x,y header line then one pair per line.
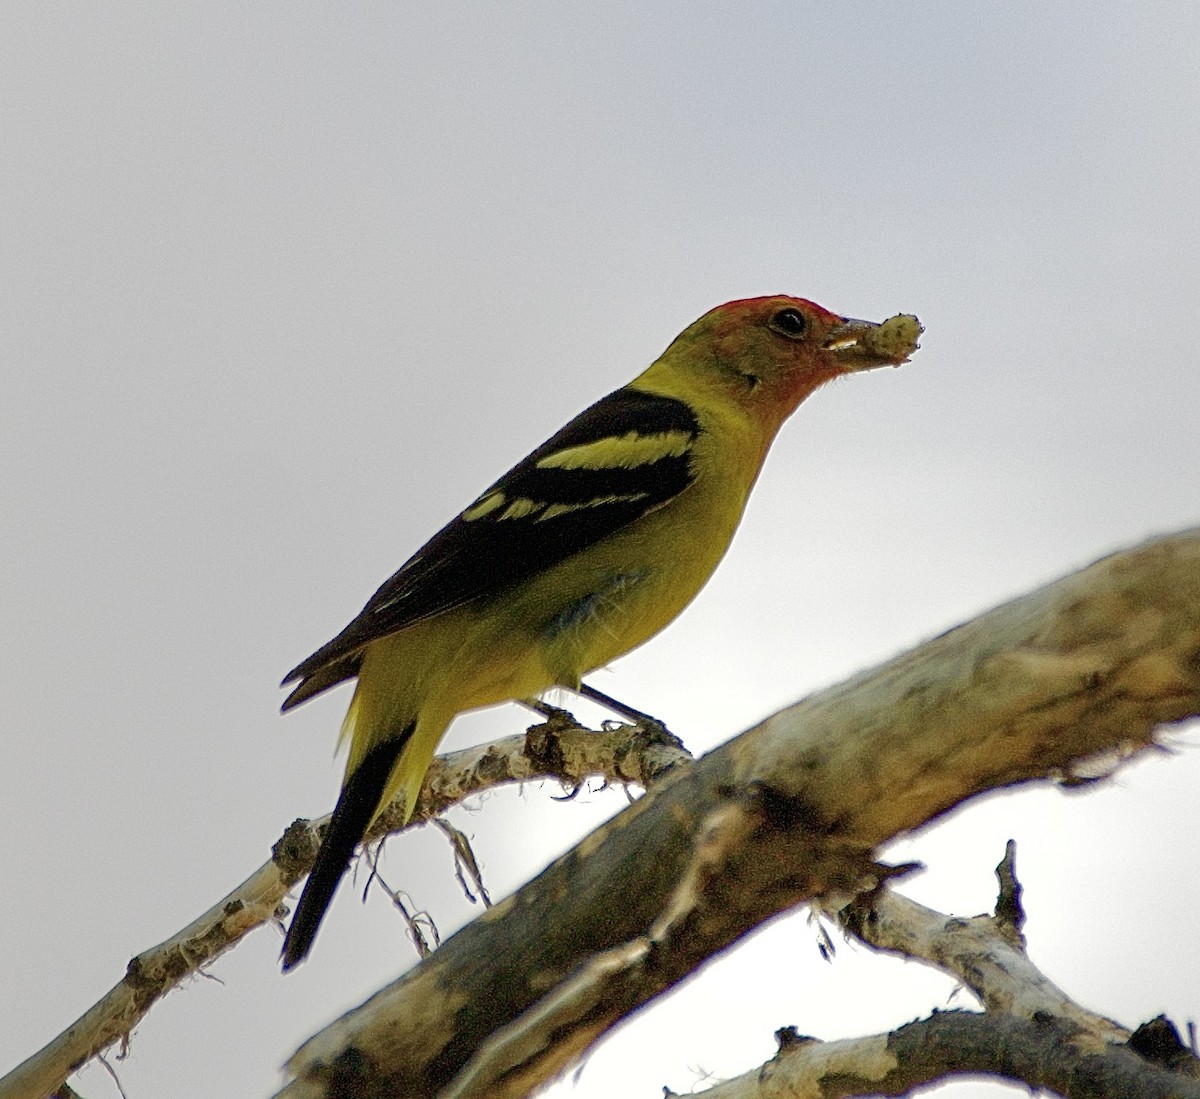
x,y
354,811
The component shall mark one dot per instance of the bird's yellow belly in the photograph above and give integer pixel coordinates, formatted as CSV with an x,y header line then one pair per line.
x,y
566,625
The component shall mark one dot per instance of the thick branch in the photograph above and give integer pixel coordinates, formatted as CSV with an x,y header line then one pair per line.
x,y
1039,688
558,750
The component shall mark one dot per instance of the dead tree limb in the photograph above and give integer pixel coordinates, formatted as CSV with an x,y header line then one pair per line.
x,y
1061,684
1040,1054
557,749
1029,1032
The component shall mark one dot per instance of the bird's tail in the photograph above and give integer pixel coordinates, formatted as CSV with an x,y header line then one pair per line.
x,y
356,807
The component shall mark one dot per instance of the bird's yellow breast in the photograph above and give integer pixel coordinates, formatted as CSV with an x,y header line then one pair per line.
x,y
576,616
598,605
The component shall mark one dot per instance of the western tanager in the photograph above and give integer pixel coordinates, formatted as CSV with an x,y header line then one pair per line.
x,y
582,551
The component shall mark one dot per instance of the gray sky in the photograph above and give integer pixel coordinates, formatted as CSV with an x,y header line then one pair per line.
x,y
286,286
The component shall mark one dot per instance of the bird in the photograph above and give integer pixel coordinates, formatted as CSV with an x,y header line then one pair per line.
x,y
585,549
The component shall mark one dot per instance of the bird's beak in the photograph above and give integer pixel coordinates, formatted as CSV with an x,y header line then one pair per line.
x,y
864,345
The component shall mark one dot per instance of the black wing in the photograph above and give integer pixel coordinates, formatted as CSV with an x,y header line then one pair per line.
x,y
627,454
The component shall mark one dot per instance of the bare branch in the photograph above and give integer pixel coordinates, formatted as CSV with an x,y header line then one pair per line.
x,y
1060,684
1036,1053
1030,1032
984,955
557,750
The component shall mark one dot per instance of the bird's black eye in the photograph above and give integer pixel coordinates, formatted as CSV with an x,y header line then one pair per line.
x,y
791,322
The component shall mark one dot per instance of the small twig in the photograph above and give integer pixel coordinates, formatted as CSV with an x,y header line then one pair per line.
x,y
825,944
113,1073
1008,903
414,920
465,863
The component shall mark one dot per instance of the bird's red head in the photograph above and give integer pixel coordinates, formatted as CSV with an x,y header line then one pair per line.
x,y
768,354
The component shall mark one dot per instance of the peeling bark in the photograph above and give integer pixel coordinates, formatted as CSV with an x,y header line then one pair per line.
x,y
557,750
1062,684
